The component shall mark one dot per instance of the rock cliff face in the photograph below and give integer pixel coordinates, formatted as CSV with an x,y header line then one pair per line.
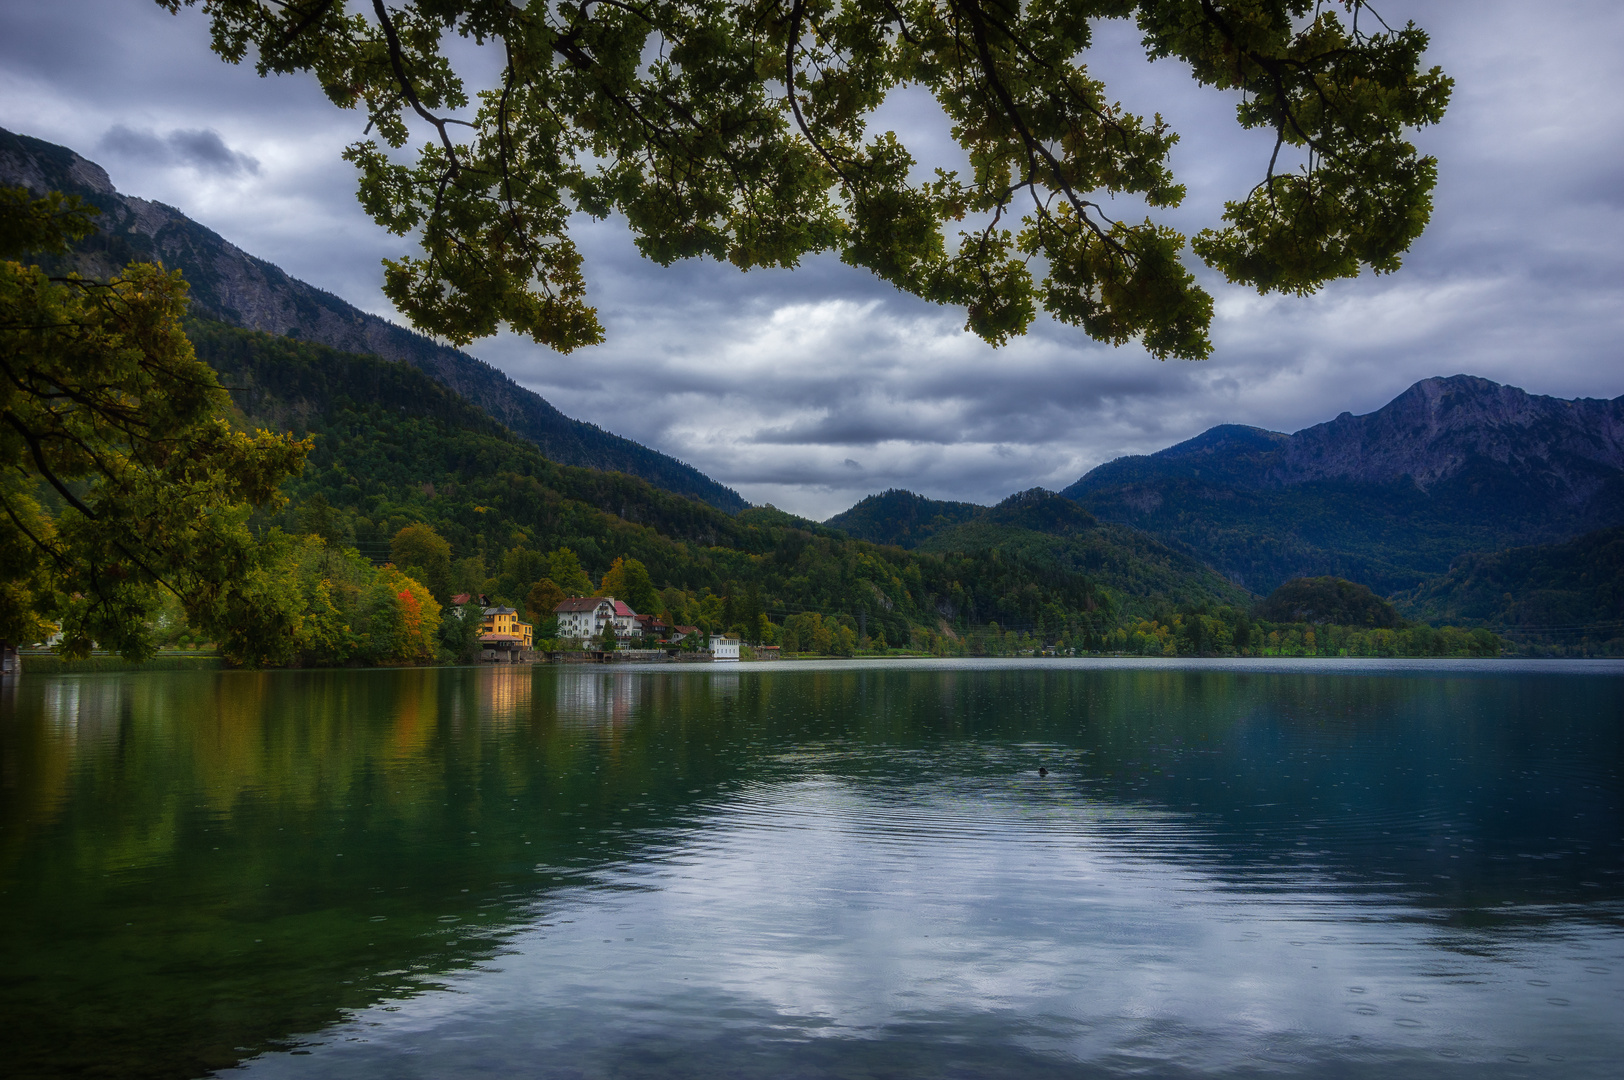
x,y
1439,428
233,286
1451,465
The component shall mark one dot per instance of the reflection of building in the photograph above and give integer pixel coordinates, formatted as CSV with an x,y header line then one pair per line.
x,y
724,687
594,699
506,693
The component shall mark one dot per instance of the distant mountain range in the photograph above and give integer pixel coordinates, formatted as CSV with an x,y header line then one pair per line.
x,y
1044,529
234,287
393,447
1398,500
1388,499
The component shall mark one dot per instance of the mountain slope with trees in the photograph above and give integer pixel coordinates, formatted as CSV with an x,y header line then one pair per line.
x,y
1564,598
392,449
229,285
1047,529
1389,499
901,518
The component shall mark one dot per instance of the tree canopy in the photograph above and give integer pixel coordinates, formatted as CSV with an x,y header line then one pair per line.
x,y
119,474
742,131
628,580
1328,600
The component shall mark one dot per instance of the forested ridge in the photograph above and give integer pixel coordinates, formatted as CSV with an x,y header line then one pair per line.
x,y
232,286
1556,599
392,448
393,451
1392,498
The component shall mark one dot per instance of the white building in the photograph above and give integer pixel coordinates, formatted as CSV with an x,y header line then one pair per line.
x,y
724,648
584,617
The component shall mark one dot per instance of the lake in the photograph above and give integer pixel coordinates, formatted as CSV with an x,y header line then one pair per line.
x,y
816,870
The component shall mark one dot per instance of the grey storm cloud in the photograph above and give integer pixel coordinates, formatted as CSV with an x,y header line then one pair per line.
x,y
813,387
200,148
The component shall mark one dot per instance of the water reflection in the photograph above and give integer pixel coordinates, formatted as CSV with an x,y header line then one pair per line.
x,y
506,698
592,700
833,868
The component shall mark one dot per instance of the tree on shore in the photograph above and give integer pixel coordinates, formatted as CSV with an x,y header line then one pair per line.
x,y
120,477
741,131
539,603
426,555
628,580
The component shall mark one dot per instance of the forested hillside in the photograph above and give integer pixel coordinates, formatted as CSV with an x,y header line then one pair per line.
x,y
229,285
1388,499
1046,529
1563,598
901,518
392,448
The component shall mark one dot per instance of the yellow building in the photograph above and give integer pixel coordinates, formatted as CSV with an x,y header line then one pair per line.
x,y
500,627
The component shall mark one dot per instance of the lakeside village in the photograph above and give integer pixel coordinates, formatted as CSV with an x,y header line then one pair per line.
x,y
330,606
597,629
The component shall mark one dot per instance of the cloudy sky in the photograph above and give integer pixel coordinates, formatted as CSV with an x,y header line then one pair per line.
x,y
814,387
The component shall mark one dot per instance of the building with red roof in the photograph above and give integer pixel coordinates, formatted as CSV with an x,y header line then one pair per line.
x,y
584,617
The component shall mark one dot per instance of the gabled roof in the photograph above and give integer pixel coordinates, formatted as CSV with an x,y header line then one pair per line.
x,y
579,603
623,611
459,600
686,629
500,611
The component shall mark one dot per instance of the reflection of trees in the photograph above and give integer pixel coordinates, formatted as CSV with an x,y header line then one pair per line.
x,y
251,826
205,853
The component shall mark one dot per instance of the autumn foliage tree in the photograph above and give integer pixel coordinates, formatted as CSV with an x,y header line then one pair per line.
x,y
628,580
744,131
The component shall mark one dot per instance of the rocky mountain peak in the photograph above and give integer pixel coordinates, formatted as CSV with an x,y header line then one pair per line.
x,y
1439,426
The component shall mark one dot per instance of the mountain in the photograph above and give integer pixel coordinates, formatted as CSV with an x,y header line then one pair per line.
x,y
909,521
901,518
1568,597
393,448
229,285
1388,499
1041,528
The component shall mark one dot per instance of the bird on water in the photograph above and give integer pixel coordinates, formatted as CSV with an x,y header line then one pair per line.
x,y
1042,771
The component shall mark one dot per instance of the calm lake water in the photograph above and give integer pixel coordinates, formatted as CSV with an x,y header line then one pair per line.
x,y
816,870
